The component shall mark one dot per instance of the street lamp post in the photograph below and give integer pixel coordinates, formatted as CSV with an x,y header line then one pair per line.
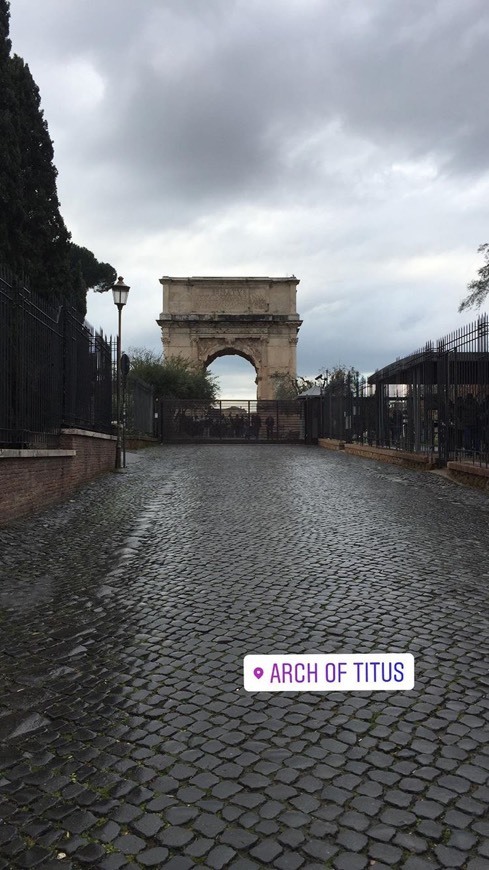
x,y
120,292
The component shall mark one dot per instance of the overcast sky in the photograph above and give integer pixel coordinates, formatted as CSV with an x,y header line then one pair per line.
x,y
345,142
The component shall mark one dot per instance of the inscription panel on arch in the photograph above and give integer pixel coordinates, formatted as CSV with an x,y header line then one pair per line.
x,y
234,300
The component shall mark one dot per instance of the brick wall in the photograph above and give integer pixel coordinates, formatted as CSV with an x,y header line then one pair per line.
x,y
420,461
137,442
331,443
33,479
471,475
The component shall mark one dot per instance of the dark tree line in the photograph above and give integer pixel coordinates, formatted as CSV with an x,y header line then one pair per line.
x,y
34,241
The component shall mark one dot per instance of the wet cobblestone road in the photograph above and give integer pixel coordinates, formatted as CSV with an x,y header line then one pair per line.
x,y
127,739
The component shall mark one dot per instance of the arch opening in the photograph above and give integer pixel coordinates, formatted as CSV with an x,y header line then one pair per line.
x,y
236,373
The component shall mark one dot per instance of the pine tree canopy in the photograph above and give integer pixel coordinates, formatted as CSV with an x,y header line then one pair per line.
x,y
95,276
34,241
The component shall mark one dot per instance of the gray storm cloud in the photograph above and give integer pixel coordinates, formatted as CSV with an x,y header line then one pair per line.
x,y
344,141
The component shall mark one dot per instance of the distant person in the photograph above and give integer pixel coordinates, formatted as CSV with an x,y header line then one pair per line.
x,y
239,426
270,424
256,425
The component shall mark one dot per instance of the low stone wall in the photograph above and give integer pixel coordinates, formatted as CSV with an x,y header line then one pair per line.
x,y
331,443
471,475
420,461
136,442
30,480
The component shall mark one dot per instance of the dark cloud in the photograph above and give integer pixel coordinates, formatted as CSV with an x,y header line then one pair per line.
x,y
205,103
340,140
209,101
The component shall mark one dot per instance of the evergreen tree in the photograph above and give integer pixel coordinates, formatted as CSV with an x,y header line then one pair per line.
x,y
34,240
42,242
479,287
94,275
11,212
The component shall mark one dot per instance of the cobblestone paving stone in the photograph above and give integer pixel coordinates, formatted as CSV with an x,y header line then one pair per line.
x,y
127,739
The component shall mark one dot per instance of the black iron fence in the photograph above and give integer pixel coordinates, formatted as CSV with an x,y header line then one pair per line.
x,y
138,406
55,370
345,410
137,398
435,400
228,420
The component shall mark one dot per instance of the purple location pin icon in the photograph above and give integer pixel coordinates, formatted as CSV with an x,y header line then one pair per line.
x,y
258,672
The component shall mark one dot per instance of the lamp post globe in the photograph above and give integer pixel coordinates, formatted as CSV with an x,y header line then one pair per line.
x,y
120,292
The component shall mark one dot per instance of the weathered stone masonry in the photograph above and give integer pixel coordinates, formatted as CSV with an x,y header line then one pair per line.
x,y
256,318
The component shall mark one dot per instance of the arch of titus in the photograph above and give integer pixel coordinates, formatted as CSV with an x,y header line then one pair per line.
x,y
256,318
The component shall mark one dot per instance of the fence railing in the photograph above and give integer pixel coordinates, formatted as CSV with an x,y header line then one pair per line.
x,y
138,406
435,400
228,420
55,370
346,411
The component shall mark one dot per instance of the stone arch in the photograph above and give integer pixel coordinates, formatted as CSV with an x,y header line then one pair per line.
x,y
246,354
230,351
205,318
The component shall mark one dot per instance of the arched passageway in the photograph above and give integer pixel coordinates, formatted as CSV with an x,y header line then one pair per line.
x,y
236,375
